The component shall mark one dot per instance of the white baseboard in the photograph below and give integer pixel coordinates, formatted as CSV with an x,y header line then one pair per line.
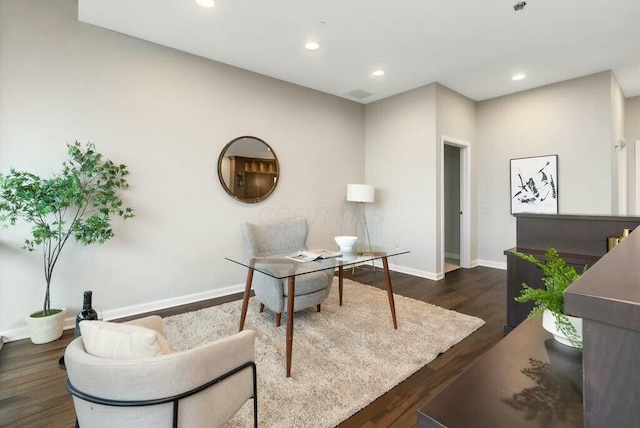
x,y
411,271
492,264
70,322
415,272
171,302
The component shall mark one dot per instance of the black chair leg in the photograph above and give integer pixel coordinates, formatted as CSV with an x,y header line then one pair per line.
x,y
255,395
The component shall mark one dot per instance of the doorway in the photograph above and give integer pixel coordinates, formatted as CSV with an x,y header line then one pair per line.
x,y
455,206
452,212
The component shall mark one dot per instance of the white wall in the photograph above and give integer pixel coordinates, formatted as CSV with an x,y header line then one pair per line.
x,y
400,161
456,119
167,115
619,154
632,119
632,135
572,119
403,160
456,114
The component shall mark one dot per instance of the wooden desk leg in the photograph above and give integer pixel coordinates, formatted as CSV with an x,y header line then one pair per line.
x,y
340,276
392,304
290,297
245,299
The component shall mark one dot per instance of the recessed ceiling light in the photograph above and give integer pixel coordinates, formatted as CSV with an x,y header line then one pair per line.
x,y
378,73
518,77
312,46
206,3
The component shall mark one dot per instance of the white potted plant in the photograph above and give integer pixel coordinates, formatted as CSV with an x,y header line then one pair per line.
x,y
80,201
549,301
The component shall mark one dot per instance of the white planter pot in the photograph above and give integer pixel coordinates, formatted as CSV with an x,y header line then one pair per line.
x,y
549,324
46,329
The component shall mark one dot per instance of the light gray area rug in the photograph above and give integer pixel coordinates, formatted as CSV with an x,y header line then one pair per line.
x,y
343,357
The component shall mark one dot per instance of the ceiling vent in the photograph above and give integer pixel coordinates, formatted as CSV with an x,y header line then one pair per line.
x,y
360,94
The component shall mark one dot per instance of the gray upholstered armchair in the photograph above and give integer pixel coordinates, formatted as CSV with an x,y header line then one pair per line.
x,y
280,238
199,387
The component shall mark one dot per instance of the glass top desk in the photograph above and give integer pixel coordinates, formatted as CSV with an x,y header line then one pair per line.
x,y
280,267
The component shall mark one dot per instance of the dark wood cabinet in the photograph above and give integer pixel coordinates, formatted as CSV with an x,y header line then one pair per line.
x,y
580,240
519,271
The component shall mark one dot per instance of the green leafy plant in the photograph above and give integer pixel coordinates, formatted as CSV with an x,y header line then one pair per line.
x,y
80,201
557,277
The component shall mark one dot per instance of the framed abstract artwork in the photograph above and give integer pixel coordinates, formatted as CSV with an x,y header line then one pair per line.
x,y
534,185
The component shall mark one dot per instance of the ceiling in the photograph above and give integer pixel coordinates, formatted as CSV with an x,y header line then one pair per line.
x,y
471,46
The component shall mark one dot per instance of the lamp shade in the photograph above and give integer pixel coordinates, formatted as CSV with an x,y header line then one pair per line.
x,y
360,192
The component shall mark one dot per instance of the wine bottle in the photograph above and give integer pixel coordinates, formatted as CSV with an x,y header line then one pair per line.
x,y
87,312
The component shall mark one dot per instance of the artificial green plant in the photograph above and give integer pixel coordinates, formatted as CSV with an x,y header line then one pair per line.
x,y
557,277
79,201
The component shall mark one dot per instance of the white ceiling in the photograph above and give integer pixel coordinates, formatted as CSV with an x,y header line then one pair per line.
x,y
470,46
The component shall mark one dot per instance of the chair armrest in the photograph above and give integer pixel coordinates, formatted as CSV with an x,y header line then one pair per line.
x,y
213,359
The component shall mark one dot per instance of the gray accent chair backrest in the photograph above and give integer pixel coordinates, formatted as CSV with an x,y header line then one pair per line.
x,y
286,237
224,369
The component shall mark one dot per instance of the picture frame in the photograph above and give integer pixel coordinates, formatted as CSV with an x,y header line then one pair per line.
x,y
534,185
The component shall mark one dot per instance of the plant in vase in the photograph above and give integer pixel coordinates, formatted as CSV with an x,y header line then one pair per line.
x,y
549,301
79,201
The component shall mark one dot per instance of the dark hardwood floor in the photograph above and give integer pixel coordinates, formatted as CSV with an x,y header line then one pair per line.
x,y
32,392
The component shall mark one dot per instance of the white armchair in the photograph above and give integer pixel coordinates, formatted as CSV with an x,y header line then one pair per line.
x,y
200,387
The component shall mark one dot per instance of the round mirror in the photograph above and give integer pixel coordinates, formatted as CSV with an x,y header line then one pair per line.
x,y
248,169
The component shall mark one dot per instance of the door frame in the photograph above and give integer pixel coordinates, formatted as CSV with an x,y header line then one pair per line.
x,y
635,179
465,202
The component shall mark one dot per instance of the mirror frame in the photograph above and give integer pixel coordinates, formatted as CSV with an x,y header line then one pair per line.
x,y
229,191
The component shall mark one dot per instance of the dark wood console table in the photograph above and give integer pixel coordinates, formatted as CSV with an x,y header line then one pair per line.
x,y
581,240
526,380
607,298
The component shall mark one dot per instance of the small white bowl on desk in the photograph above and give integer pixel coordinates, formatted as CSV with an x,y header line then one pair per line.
x,y
346,243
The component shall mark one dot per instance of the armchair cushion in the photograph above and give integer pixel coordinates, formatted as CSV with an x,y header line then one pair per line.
x,y
115,340
311,283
